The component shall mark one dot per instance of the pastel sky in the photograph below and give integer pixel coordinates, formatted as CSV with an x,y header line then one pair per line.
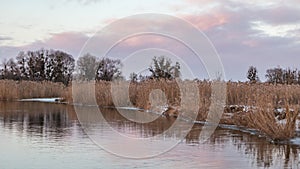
x,y
264,34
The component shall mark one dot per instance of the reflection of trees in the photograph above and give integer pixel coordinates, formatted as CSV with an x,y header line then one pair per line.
x,y
37,118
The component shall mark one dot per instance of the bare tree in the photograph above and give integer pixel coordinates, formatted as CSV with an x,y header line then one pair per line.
x,y
133,77
9,70
61,66
282,76
4,69
162,68
87,66
51,65
275,75
109,69
22,61
290,76
13,69
36,64
252,74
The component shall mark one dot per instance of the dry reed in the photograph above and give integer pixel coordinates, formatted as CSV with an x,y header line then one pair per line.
x,y
13,90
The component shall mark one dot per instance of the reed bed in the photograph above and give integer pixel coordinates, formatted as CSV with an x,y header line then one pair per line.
x,y
262,101
264,121
13,90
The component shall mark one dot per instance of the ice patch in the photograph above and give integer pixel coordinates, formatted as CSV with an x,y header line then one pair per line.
x,y
46,100
295,141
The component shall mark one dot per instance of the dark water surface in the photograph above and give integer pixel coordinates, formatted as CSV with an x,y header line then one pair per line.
x,y
45,135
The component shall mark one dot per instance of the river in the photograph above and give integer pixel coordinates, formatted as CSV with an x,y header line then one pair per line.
x,y
46,135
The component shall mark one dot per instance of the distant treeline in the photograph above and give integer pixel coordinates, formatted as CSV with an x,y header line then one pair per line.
x,y
41,65
276,75
58,66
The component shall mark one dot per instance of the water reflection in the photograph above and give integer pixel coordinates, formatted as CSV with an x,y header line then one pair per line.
x,y
37,118
121,124
261,152
56,122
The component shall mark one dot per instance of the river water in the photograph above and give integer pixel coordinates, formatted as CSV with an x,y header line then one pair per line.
x,y
45,135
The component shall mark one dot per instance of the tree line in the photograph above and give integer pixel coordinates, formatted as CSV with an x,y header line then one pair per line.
x,y
276,75
40,65
92,68
57,66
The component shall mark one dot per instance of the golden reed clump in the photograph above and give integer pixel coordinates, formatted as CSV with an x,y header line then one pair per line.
x,y
13,90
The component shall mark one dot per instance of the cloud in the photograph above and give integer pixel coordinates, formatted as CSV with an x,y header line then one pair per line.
x,y
207,21
232,26
240,44
280,15
8,52
70,42
2,38
86,2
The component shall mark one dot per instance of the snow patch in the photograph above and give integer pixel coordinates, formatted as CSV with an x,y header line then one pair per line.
x,y
282,122
295,141
46,100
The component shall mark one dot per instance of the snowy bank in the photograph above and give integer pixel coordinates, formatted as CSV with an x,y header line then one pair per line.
x,y
46,100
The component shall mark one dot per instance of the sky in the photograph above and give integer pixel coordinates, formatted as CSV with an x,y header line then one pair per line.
x,y
264,34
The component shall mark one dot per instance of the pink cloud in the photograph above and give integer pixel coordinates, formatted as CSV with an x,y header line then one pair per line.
x,y
200,2
109,20
70,42
250,43
143,40
208,21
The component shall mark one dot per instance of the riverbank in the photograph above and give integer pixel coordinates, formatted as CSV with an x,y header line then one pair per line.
x,y
259,100
14,90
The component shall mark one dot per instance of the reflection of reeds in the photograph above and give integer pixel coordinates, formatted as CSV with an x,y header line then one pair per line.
x,y
262,153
